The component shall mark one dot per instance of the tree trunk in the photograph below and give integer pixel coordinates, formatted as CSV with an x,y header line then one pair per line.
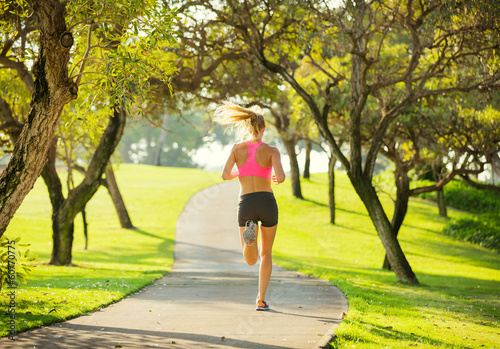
x,y
80,195
161,140
294,166
53,89
85,227
395,254
400,207
441,203
150,149
117,198
54,187
8,124
331,188
307,165
124,150
495,165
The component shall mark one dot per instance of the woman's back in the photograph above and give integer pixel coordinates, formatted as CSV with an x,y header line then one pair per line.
x,y
254,168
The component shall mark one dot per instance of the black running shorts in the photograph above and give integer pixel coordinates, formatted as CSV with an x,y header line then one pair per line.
x,y
258,206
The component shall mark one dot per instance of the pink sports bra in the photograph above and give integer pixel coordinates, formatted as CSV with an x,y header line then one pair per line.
x,y
250,167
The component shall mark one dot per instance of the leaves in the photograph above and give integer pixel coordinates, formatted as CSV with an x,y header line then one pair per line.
x,y
117,53
14,263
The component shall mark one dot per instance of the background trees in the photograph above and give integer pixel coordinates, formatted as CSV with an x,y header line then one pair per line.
x,y
114,57
375,76
398,52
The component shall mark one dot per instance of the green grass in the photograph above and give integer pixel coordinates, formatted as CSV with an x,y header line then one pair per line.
x,y
457,304
118,261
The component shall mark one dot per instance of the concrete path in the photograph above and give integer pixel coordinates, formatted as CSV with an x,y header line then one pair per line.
x,y
208,300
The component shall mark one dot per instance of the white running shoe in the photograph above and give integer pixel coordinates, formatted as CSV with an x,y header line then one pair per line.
x,y
249,232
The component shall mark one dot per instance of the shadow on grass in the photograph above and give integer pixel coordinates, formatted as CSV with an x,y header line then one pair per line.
x,y
380,290
392,334
145,233
315,202
469,253
121,255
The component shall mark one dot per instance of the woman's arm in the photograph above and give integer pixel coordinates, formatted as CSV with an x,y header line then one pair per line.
x,y
228,173
279,173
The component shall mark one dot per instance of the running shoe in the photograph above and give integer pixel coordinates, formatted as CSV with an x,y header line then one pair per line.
x,y
262,305
249,232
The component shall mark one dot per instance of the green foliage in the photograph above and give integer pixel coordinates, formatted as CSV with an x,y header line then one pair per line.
x,y
482,230
464,197
118,46
14,263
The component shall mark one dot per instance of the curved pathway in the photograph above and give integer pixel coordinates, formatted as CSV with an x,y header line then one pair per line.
x,y
208,299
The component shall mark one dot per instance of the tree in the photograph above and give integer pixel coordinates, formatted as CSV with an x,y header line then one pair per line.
x,y
455,141
65,209
115,76
77,148
172,143
436,37
52,89
214,66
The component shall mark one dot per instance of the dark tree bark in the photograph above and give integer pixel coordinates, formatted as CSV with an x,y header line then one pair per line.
x,y
477,185
400,206
331,188
80,195
441,203
307,165
121,210
393,249
53,89
290,143
8,124
85,227
54,187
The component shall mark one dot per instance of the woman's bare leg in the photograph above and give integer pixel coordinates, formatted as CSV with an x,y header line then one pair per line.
x,y
250,253
266,259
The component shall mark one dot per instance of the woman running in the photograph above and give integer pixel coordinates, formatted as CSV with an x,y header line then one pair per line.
x,y
255,161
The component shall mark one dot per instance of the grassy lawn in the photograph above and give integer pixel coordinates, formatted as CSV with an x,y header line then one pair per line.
x,y
118,261
457,304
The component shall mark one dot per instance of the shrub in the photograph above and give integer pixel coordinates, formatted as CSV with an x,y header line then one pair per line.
x,y
482,230
14,267
459,195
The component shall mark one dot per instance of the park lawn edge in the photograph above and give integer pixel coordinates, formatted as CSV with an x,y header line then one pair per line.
x,y
456,305
377,300
118,263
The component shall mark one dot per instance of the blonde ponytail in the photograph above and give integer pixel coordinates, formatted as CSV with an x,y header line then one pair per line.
x,y
250,121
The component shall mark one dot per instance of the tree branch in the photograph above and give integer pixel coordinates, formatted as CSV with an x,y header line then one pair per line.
x,y
482,186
